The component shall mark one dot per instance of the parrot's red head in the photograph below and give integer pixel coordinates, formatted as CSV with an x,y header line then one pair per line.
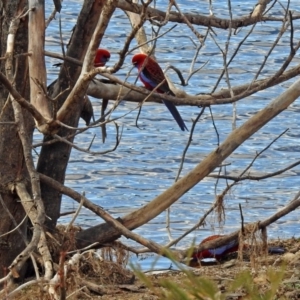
x,y
101,58
138,59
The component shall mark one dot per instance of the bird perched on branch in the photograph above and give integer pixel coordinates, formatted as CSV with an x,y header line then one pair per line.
x,y
151,75
101,58
220,253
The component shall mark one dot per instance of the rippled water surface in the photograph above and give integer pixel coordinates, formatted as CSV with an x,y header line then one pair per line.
x,y
147,160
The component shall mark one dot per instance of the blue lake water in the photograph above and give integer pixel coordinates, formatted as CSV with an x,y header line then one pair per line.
x,y
147,160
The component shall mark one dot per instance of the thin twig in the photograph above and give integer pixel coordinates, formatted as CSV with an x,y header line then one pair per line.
x,y
242,219
75,215
229,187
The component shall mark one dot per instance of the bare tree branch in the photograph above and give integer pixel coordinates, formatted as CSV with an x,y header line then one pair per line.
x,y
197,19
36,60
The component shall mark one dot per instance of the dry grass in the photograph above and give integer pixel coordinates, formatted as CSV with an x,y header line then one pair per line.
x,y
103,275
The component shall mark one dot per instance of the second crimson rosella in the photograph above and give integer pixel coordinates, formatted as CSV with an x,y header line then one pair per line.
x,y
151,76
101,58
216,253
221,252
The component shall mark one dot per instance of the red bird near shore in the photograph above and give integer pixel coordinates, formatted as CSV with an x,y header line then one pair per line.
x,y
151,75
101,58
221,252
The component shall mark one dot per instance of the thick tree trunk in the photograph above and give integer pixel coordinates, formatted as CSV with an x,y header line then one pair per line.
x,y
12,167
54,158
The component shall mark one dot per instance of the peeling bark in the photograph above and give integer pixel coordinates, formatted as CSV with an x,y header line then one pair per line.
x,y
11,155
37,67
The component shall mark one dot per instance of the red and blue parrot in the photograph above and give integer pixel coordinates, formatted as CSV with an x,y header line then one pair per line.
x,y
221,252
101,58
151,75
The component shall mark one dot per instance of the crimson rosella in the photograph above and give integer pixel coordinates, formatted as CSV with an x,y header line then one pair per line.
x,y
151,75
221,252
101,58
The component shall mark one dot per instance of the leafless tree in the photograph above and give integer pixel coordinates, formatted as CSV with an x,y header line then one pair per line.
x,y
31,196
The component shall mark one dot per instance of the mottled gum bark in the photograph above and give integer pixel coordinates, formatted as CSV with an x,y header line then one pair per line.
x,y
12,167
